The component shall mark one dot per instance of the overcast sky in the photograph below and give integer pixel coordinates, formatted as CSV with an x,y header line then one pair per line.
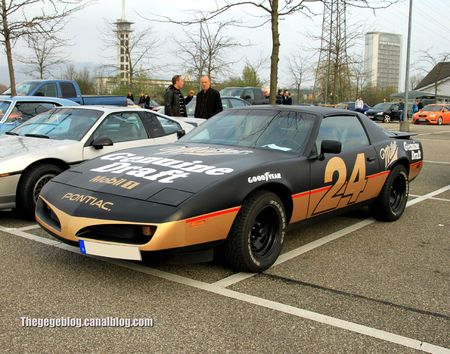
x,y
430,31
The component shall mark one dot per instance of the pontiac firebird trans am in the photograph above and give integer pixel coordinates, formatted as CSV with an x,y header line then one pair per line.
x,y
232,184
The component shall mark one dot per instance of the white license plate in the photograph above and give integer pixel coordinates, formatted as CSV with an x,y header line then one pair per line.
x,y
110,250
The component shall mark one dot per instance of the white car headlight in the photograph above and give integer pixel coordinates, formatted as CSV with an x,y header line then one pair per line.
x,y
379,113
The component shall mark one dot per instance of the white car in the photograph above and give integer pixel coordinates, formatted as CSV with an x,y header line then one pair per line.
x,y
36,151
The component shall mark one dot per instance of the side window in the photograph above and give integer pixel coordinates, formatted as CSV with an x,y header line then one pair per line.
x,y
237,103
394,107
67,90
346,129
26,110
48,90
152,125
119,127
248,93
169,126
258,94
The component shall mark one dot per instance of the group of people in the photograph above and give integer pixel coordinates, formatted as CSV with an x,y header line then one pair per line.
x,y
284,97
208,99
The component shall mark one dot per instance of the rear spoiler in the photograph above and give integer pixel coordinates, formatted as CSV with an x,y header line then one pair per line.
x,y
401,135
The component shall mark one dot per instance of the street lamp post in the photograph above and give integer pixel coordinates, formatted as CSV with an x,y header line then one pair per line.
x,y
404,123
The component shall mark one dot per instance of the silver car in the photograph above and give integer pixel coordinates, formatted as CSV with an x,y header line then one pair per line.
x,y
36,151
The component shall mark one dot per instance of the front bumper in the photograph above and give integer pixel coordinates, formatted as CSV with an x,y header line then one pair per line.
x,y
8,188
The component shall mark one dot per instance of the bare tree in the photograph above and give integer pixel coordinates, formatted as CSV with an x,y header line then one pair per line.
x,y
435,64
139,50
271,11
299,69
204,52
359,74
414,80
45,53
21,18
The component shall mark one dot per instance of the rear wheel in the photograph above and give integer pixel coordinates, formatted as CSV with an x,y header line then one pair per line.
x,y
31,185
256,237
391,202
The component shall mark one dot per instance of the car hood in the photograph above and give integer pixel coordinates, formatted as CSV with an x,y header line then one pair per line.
x,y
16,146
169,173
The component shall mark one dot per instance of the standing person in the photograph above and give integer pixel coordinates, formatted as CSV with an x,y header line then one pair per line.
x,y
141,102
287,99
415,107
279,99
420,105
359,105
174,101
189,97
130,96
401,108
209,102
146,101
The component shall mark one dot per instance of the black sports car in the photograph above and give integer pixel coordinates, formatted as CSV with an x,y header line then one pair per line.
x,y
233,184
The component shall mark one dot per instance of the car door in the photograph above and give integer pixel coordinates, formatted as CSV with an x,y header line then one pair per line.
x,y
341,180
395,113
125,129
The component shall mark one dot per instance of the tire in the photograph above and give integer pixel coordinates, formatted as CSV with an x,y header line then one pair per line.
x,y
31,185
256,237
387,118
391,202
439,122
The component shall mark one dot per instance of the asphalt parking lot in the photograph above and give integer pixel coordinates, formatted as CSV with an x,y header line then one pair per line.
x,y
345,284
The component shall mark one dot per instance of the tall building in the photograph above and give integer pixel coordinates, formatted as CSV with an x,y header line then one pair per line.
x,y
382,59
123,32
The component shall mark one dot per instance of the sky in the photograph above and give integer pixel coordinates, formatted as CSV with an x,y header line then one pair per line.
x,y
430,32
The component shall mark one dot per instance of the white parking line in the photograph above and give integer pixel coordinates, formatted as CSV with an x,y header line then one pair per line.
x,y
434,133
437,162
237,277
30,227
254,300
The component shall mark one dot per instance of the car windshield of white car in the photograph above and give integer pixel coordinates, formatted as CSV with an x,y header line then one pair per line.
x,y
265,129
3,107
60,124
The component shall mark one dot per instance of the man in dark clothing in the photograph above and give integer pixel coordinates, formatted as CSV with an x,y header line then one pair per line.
x,y
279,99
130,96
209,102
420,105
174,101
287,99
401,108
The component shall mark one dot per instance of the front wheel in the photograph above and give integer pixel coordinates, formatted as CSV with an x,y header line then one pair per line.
x,y
256,237
31,185
439,122
387,118
391,202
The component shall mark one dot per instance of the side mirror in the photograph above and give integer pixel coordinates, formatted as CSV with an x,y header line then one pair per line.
x,y
98,143
330,147
181,133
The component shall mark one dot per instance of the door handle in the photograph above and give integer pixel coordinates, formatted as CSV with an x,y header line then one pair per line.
x,y
371,158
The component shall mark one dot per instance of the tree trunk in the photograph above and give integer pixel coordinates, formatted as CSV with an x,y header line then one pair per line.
x,y
275,52
6,34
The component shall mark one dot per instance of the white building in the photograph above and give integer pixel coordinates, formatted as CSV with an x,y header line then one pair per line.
x,y
437,80
382,58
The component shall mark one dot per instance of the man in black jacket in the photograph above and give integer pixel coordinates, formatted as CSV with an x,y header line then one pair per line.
x,y
174,101
209,102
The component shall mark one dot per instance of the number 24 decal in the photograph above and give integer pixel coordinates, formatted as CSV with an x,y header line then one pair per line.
x,y
341,188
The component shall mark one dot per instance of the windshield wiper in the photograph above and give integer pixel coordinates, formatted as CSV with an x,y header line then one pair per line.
x,y
38,136
11,133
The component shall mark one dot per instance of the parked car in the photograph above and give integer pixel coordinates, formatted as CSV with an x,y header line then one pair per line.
x,y
433,114
385,112
68,89
234,184
42,147
17,110
351,106
227,102
253,95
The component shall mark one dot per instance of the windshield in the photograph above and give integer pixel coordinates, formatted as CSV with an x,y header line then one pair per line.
x,y
233,91
3,108
382,106
60,124
24,88
432,108
266,129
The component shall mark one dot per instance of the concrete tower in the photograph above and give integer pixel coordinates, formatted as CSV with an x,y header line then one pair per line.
x,y
123,31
